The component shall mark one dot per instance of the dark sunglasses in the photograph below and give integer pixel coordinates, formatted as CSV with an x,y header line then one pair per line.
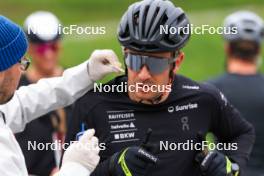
x,y
24,62
155,65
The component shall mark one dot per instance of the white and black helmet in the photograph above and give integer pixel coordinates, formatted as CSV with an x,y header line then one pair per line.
x,y
42,27
249,26
139,28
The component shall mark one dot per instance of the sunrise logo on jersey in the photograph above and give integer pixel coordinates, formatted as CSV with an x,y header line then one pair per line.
x,y
177,108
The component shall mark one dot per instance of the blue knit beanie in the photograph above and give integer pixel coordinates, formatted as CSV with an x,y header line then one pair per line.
x,y
13,43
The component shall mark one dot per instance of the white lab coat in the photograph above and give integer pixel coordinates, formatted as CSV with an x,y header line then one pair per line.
x,y
31,102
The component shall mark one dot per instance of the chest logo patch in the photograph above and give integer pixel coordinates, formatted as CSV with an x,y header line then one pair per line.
x,y
122,126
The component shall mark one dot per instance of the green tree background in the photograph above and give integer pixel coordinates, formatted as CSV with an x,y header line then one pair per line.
x,y
205,56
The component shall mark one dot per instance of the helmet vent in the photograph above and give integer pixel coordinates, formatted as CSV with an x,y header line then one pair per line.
x,y
164,19
145,14
143,22
136,18
125,33
152,21
156,12
181,18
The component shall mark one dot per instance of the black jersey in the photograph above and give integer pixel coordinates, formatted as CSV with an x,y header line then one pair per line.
x,y
191,108
246,93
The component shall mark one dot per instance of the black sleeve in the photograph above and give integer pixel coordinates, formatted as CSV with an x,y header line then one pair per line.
x,y
73,127
74,123
230,127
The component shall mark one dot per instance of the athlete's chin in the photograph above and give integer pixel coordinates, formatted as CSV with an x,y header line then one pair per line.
x,y
145,95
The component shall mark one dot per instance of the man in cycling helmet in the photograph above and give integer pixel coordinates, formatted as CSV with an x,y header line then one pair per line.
x,y
242,83
133,125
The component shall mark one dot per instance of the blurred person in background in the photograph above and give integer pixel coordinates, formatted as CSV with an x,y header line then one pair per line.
x,y
42,30
243,84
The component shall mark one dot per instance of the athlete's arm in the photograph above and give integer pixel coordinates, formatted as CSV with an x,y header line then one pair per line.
x,y
231,128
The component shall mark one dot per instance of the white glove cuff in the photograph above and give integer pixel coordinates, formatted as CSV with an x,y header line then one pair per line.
x,y
73,168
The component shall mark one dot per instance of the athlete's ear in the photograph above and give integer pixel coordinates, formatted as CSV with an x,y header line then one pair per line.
x,y
178,61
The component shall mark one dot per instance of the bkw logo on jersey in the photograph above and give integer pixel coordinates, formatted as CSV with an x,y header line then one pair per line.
x,y
124,135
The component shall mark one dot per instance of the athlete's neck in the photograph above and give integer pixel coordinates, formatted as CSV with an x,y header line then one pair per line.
x,y
34,74
241,67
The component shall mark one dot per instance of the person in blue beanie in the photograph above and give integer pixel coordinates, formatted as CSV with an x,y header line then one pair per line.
x,y
18,107
13,46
